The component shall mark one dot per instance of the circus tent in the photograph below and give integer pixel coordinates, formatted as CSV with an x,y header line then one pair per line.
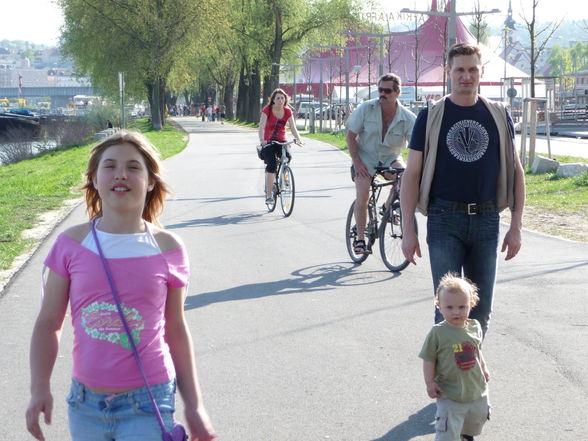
x,y
426,45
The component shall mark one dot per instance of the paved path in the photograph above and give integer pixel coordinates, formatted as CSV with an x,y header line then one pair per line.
x,y
294,343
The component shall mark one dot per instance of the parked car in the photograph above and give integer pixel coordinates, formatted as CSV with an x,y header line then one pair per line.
x,y
305,108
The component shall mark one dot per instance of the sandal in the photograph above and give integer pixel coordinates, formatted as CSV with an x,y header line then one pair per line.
x,y
359,247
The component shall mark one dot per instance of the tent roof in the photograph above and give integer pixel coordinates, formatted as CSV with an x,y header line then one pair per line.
x,y
426,45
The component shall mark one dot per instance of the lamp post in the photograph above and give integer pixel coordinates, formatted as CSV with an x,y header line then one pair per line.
x,y
452,17
320,60
381,44
293,66
346,49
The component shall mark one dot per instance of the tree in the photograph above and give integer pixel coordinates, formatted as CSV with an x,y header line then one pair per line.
x,y
143,38
539,38
417,54
478,24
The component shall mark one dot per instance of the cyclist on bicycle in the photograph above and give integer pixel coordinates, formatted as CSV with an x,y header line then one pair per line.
x,y
377,131
272,127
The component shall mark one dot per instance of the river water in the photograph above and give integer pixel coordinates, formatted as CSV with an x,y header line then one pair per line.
x,y
16,149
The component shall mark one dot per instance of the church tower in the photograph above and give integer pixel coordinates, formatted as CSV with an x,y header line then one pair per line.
x,y
509,25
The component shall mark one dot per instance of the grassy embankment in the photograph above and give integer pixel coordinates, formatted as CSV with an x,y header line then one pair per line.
x,y
546,193
43,183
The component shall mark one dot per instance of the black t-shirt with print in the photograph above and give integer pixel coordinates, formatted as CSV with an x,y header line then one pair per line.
x,y
468,154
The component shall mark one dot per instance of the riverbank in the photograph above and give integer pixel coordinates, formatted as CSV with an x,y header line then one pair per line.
x,y
39,192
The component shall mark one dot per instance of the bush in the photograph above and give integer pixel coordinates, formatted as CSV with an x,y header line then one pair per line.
x,y
99,114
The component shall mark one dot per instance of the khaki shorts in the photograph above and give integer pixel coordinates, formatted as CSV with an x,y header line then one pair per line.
x,y
454,419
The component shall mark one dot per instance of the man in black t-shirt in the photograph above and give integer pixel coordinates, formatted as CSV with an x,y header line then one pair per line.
x,y
462,169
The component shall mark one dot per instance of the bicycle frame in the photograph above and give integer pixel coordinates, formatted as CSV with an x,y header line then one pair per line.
x,y
376,223
372,226
286,197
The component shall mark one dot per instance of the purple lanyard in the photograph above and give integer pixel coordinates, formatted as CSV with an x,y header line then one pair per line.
x,y
127,329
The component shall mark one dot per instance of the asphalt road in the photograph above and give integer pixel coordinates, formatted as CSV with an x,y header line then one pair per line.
x,y
294,343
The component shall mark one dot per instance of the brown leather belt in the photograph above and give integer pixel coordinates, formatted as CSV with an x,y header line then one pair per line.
x,y
469,208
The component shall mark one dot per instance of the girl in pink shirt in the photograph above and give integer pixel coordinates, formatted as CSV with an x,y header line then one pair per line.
x,y
124,194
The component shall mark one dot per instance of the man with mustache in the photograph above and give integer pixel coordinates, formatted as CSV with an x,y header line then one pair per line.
x,y
377,132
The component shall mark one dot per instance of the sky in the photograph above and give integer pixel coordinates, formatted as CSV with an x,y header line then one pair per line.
x,y
547,10
39,21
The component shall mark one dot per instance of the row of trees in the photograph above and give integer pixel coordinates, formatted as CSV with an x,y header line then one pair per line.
x,y
566,60
199,48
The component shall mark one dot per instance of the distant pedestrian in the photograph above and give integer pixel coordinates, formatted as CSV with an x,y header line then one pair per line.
x,y
453,365
210,113
108,400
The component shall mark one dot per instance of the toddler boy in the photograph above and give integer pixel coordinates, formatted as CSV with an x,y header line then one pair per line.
x,y
454,368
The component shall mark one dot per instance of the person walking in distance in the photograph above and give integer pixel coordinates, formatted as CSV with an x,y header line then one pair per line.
x,y
462,170
377,132
453,365
108,399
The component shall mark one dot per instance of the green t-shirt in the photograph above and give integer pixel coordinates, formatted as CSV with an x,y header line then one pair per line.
x,y
456,354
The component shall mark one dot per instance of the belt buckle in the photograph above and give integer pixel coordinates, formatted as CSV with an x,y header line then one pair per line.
x,y
472,209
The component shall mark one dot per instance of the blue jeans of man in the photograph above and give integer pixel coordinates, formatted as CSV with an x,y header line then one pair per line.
x,y
467,245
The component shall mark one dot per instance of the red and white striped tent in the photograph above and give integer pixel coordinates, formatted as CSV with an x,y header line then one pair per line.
x,y
427,45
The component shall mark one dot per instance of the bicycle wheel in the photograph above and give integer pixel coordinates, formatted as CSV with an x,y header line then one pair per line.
x,y
351,235
271,207
287,190
391,239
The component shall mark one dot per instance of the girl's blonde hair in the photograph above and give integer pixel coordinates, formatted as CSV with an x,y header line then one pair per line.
x,y
452,282
154,198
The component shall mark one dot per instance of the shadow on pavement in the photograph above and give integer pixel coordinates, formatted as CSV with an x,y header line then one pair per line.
x,y
242,218
418,424
310,279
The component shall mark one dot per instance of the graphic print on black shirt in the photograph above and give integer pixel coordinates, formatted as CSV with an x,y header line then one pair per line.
x,y
467,140
468,158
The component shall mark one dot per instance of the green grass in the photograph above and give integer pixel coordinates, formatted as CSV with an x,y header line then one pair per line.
x,y
43,183
559,195
546,192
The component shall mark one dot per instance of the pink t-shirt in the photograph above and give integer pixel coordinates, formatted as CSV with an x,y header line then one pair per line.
x,y
102,356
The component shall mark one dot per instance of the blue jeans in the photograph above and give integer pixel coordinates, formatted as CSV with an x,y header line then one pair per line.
x,y
466,245
124,417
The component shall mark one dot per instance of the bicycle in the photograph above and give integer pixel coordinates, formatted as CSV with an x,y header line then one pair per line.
x,y
388,229
284,185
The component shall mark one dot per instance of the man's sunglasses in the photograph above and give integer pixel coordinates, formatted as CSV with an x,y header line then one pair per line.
x,y
386,90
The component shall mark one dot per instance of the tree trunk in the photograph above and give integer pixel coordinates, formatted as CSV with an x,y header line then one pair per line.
x,y
243,96
273,81
254,107
228,101
161,83
155,101
533,60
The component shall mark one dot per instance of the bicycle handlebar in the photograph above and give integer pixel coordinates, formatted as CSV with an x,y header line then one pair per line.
x,y
383,169
285,144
